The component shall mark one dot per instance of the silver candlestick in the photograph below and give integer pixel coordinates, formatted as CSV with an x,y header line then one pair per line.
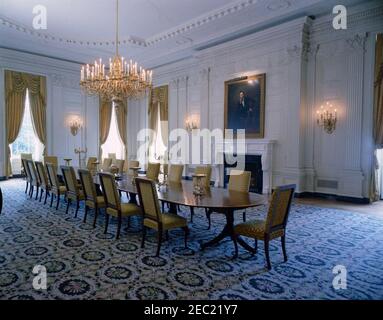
x,y
79,151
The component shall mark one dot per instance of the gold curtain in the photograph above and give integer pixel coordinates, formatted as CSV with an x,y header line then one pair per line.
x,y
105,115
15,90
37,98
158,103
121,108
378,117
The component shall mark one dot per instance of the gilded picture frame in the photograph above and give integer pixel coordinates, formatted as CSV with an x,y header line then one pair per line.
x,y
245,105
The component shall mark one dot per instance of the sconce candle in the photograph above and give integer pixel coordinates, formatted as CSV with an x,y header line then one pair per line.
x,y
327,117
74,123
191,123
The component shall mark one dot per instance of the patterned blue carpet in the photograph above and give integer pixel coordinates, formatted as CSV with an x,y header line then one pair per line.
x,y
83,263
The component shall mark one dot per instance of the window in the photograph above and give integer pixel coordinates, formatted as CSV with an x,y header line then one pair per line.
x,y
113,143
27,141
158,148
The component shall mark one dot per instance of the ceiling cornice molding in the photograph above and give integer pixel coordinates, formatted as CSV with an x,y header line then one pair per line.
x,y
201,20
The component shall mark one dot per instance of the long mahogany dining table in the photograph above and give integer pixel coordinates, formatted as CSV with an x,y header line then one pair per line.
x,y
218,200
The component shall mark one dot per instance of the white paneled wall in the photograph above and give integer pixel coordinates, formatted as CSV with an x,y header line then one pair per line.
x,y
306,63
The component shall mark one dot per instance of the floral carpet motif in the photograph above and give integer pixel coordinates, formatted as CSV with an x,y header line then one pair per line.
x,y
85,263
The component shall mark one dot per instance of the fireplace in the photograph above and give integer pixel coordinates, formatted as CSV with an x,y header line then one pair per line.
x,y
253,163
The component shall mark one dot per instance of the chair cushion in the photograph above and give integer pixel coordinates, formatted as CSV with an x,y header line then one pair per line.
x,y
255,229
100,202
62,189
127,209
169,221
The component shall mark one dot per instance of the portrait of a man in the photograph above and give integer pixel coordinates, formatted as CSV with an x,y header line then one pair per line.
x,y
245,105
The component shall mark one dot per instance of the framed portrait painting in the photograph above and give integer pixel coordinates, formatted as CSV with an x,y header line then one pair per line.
x,y
245,105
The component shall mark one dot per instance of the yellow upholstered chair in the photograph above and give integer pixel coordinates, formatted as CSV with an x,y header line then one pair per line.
x,y
239,181
106,164
44,181
153,218
114,206
57,189
273,227
35,181
73,190
90,165
51,159
28,178
92,200
175,172
25,156
206,170
120,165
113,157
153,171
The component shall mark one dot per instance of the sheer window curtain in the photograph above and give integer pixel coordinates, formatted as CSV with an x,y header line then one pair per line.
x,y
121,108
378,117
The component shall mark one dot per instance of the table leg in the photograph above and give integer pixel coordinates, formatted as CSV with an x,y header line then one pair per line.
x,y
228,231
132,198
173,208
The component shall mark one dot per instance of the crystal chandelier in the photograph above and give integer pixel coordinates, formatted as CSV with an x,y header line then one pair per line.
x,y
124,80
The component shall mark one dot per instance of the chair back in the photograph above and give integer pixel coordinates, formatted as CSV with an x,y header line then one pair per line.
x,y
120,165
52,176
51,159
109,189
134,164
43,177
26,156
70,180
113,157
106,164
148,197
153,171
175,172
88,185
26,170
33,172
279,208
206,170
90,164
239,180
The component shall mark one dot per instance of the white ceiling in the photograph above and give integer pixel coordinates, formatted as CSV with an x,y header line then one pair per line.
x,y
152,31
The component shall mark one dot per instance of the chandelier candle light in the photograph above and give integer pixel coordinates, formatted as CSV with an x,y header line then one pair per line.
x,y
124,80
327,117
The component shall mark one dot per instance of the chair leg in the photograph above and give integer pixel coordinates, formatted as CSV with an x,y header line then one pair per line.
x,y
58,201
52,200
68,203
283,240
31,192
244,216
143,237
208,216
159,235
26,187
191,214
186,230
163,206
77,207
86,213
37,193
46,197
95,217
106,222
41,194
267,253
167,235
118,227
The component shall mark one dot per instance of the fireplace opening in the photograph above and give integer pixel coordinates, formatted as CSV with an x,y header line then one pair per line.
x,y
253,164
